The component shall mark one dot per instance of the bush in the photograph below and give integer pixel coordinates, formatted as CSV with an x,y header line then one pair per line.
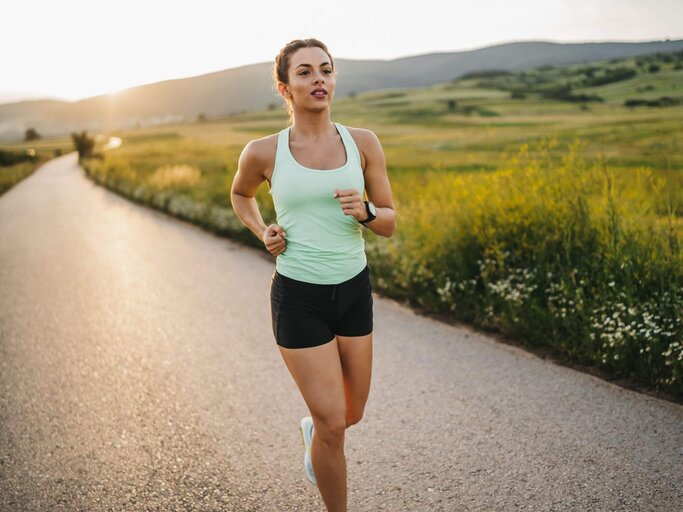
x,y
663,101
589,71
610,76
486,73
83,144
550,251
31,134
564,93
8,158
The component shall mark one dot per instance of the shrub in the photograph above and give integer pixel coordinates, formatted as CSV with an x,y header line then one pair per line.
x,y
663,101
8,158
83,144
31,134
486,73
564,93
547,250
610,76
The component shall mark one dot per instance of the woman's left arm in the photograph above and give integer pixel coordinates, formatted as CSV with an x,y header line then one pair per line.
x,y
377,185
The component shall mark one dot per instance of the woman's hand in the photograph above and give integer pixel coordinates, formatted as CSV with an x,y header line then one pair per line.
x,y
274,239
351,203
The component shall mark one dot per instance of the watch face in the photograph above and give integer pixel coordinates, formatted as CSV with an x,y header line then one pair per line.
x,y
373,210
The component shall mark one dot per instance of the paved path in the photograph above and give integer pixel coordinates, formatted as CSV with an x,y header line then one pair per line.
x,y
138,372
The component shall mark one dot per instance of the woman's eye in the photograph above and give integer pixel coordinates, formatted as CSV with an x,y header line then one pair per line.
x,y
328,71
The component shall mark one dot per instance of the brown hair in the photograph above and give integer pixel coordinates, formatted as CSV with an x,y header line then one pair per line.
x,y
281,65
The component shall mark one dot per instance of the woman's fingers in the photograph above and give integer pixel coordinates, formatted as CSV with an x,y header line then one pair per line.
x,y
274,240
277,246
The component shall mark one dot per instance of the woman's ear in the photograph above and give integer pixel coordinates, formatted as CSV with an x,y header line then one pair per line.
x,y
282,89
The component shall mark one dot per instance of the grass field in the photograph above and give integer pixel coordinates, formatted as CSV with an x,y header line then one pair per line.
x,y
554,222
13,170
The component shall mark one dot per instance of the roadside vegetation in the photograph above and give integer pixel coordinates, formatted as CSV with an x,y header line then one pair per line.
x,y
18,161
545,205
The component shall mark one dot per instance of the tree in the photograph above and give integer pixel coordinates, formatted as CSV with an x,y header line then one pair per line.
x,y
83,144
31,134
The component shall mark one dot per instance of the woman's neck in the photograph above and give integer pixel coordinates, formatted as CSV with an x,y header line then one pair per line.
x,y
312,126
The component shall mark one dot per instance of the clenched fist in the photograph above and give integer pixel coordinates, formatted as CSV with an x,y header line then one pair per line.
x,y
274,239
351,203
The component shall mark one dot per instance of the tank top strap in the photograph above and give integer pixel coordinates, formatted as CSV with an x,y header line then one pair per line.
x,y
282,154
349,143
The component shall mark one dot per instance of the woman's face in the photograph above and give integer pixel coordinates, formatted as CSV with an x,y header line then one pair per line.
x,y
310,69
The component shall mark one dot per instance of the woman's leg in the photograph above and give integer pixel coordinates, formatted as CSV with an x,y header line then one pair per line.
x,y
317,372
355,353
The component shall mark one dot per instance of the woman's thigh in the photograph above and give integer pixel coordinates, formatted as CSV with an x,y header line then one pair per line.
x,y
317,372
356,360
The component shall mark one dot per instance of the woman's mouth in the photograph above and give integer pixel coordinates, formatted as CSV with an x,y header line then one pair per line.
x,y
319,94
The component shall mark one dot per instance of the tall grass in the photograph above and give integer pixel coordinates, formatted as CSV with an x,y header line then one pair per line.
x,y
13,174
553,249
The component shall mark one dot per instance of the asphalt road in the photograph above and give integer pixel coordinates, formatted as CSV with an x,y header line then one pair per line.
x,y
138,371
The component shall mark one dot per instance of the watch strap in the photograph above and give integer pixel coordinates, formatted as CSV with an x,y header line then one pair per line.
x,y
370,217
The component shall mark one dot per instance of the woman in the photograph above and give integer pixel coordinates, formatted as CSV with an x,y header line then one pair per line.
x,y
321,297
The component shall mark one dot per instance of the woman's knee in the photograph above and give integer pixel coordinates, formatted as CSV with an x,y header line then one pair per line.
x,y
330,428
353,417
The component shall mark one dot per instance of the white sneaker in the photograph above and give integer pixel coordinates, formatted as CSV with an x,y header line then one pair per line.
x,y
307,437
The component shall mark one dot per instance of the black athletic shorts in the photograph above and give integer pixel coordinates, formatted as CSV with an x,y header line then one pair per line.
x,y
309,314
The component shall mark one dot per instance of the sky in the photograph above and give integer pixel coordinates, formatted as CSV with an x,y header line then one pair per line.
x,y
74,49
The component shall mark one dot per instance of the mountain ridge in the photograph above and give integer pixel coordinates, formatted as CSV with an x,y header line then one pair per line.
x,y
250,87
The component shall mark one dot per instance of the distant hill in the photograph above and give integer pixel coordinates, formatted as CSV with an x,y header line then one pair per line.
x,y
250,87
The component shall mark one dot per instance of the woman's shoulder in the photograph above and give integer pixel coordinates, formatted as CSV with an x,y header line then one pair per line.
x,y
263,144
262,148
366,140
362,136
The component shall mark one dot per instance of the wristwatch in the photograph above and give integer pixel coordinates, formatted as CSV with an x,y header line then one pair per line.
x,y
372,212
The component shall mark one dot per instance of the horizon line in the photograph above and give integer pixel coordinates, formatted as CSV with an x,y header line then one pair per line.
x,y
259,63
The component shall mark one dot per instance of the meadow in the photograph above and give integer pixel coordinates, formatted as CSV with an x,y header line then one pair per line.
x,y
18,161
536,205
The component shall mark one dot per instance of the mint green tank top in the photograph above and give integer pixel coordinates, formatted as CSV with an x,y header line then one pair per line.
x,y
323,245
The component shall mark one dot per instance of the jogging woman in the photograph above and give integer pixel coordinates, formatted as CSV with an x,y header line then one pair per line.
x,y
321,297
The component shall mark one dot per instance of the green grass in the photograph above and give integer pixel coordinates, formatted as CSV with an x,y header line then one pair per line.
x,y
556,226
42,151
663,84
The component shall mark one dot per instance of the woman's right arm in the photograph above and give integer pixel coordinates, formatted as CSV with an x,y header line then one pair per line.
x,y
248,178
